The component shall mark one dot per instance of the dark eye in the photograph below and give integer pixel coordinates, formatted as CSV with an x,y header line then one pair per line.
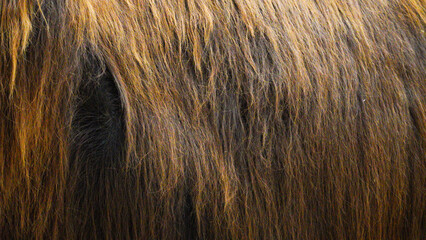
x,y
97,127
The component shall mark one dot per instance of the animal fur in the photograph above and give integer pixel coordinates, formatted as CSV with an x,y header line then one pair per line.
x,y
213,119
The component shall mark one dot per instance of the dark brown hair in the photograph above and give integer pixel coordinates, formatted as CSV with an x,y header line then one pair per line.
x,y
213,119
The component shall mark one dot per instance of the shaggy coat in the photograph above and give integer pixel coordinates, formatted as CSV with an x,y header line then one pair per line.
x,y
212,119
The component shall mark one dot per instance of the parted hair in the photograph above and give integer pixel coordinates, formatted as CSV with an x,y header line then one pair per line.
x,y
212,119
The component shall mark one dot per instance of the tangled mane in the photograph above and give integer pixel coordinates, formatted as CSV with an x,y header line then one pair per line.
x,y
213,119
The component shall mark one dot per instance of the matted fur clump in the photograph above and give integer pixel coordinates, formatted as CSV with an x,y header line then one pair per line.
x,y
213,119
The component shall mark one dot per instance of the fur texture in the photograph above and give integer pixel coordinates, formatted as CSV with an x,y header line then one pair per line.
x,y
214,119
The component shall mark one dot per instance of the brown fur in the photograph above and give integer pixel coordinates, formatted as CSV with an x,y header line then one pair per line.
x,y
254,119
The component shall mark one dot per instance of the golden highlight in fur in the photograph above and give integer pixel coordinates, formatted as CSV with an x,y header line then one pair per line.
x,y
213,119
